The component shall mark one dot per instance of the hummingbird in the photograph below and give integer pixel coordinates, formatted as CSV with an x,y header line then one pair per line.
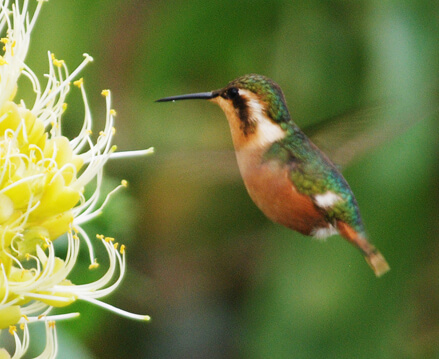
x,y
286,175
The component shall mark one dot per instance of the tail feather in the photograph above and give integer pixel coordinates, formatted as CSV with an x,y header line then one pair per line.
x,y
372,255
377,262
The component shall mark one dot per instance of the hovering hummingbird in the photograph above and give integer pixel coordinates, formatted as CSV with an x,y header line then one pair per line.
x,y
291,181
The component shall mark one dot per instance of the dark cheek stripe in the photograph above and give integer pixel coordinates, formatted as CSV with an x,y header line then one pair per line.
x,y
241,107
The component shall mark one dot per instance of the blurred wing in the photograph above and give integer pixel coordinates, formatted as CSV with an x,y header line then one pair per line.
x,y
343,138
347,137
193,166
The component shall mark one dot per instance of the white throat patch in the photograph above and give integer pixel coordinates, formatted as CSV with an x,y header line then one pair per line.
x,y
268,132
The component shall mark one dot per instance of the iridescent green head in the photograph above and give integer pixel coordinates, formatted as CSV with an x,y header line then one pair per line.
x,y
265,91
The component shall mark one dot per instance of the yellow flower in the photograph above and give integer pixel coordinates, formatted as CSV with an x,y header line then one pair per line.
x,y
42,179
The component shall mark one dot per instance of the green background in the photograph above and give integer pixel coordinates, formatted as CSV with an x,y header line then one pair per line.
x,y
218,279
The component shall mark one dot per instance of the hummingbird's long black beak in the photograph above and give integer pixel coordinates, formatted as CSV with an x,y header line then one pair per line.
x,y
191,96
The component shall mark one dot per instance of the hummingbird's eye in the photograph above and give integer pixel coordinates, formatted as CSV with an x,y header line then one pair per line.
x,y
232,93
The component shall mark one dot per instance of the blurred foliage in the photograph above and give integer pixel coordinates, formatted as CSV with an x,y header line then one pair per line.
x,y
218,279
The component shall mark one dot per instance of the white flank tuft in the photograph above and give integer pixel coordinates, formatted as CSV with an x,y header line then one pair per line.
x,y
324,232
327,199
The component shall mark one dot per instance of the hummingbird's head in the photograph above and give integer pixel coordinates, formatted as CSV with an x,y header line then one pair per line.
x,y
255,108
252,94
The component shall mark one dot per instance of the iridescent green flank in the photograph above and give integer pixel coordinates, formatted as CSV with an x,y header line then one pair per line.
x,y
311,171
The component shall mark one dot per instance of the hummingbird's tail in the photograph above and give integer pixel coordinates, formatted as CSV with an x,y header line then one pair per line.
x,y
377,262
372,255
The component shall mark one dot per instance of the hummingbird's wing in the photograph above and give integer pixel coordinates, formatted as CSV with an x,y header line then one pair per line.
x,y
214,166
347,137
343,138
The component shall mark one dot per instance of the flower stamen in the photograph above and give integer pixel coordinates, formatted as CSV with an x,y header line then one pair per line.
x,y
43,177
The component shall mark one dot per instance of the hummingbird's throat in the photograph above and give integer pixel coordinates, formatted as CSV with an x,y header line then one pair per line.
x,y
249,123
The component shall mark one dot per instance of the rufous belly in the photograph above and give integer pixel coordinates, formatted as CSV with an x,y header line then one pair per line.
x,y
269,186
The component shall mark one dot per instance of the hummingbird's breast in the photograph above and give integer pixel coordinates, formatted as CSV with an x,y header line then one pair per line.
x,y
270,187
